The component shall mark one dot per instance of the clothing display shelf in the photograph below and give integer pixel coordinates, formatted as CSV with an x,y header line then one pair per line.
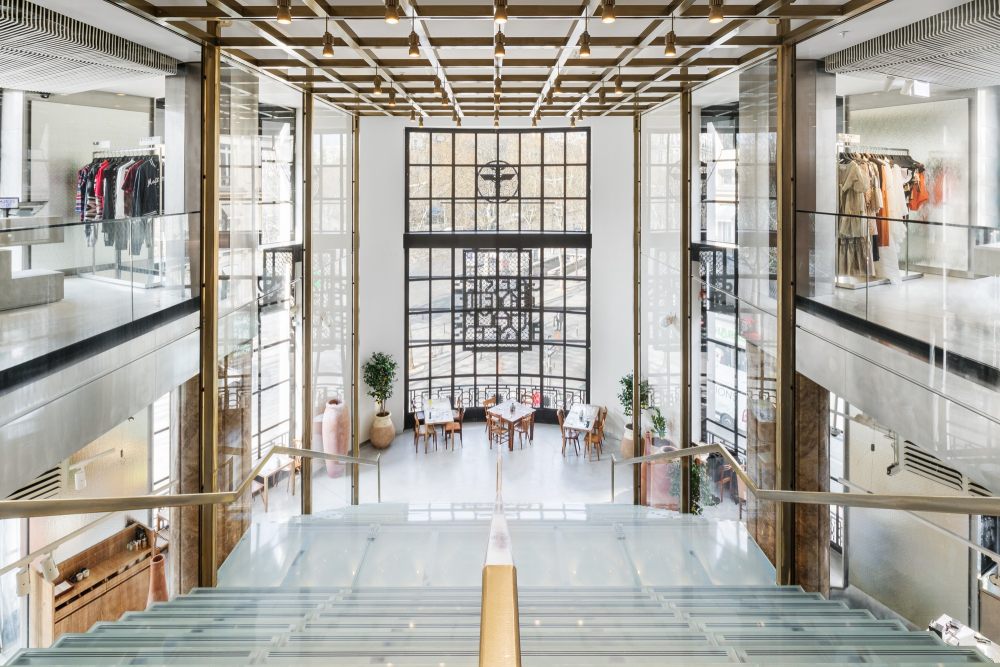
x,y
856,282
147,271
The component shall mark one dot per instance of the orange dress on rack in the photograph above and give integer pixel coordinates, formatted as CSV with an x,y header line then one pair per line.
x,y
883,213
918,191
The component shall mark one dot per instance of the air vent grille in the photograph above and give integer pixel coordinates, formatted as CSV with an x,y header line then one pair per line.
x,y
43,51
46,485
958,48
921,462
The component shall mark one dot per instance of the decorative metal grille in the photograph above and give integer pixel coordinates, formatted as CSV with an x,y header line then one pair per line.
x,y
494,301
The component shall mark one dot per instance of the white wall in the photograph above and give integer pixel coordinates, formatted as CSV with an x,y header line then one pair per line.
x,y
381,200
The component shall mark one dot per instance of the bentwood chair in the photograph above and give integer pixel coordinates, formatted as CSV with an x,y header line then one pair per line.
x,y
424,431
497,431
568,435
524,429
451,428
487,404
594,440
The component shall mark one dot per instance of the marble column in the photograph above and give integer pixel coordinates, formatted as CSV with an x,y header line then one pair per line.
x,y
761,516
184,469
812,473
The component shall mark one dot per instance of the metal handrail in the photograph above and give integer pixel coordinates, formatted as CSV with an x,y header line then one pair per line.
x,y
18,509
499,624
938,504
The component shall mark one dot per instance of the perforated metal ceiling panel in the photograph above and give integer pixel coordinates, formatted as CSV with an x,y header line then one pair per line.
x,y
47,52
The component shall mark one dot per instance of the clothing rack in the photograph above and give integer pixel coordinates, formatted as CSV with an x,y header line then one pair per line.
x,y
878,150
153,150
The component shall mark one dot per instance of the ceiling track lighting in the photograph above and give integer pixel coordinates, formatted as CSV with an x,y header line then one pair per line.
x,y
585,39
619,83
498,45
716,13
670,41
284,12
414,37
500,11
607,11
327,40
392,12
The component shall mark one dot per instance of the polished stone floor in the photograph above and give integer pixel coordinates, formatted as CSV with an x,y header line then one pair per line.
x,y
954,314
538,473
89,307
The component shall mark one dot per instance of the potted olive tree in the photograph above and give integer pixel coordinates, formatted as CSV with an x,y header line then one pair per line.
x,y
380,375
625,398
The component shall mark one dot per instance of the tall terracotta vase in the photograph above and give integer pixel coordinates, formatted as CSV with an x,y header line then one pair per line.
x,y
336,434
157,580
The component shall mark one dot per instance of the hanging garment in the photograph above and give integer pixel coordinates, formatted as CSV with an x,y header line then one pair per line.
x,y
918,190
853,239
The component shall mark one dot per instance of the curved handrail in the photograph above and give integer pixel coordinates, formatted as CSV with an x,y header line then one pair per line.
x,y
938,504
19,509
499,624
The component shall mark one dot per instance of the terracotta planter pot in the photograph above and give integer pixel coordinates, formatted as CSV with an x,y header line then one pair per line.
x,y
336,434
157,580
383,431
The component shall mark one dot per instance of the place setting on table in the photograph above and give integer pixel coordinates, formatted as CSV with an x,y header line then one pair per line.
x,y
510,413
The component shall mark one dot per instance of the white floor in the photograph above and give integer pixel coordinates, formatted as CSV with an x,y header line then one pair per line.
x,y
537,473
955,314
88,308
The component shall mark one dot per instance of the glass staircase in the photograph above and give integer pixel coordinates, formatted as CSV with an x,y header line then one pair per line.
x,y
399,585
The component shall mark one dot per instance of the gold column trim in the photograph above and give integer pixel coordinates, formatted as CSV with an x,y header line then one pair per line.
x,y
499,631
356,308
208,380
637,439
307,299
687,169
785,420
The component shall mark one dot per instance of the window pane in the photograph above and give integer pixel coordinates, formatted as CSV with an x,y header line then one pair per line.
x,y
531,147
419,148
441,148
576,147
555,145
465,148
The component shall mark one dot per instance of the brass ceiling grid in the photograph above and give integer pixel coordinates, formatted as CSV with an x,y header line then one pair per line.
x,y
456,43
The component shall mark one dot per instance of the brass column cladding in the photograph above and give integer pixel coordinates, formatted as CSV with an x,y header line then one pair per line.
x,y
307,300
209,293
499,631
355,329
636,307
687,169
785,420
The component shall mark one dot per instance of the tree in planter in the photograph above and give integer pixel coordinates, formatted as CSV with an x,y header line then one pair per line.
x,y
625,396
380,375
658,422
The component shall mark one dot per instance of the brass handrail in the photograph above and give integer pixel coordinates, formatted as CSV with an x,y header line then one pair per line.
x,y
499,625
19,509
938,504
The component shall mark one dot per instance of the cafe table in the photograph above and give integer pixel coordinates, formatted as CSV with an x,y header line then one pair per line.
x,y
582,418
438,411
510,413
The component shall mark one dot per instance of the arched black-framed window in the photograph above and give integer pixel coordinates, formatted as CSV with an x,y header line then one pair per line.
x,y
498,266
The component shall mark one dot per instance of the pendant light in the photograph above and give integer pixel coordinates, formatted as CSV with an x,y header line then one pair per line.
x,y
498,45
534,121
670,41
619,87
327,40
414,37
458,121
607,11
572,121
558,83
284,13
496,101
548,98
377,83
413,113
715,11
496,119
497,83
437,83
420,121
392,12
500,11
585,38
602,96
392,97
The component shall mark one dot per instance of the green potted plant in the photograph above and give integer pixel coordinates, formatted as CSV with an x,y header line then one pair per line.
x,y
625,398
380,375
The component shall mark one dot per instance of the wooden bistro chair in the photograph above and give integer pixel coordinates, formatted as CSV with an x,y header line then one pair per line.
x,y
595,439
497,431
487,404
524,428
424,431
453,427
568,435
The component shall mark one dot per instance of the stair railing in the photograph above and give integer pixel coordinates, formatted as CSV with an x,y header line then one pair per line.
x,y
940,504
19,509
499,626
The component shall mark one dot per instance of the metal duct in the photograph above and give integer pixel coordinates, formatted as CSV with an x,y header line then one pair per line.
x,y
43,51
959,48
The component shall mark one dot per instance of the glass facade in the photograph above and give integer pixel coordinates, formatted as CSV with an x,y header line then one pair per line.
x,y
498,266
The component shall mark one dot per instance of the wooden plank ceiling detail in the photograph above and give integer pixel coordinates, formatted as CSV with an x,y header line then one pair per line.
x,y
542,72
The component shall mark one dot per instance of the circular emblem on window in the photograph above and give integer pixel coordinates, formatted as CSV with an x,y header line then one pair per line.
x,y
498,181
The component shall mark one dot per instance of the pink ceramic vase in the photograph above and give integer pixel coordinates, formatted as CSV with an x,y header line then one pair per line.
x,y
157,580
336,434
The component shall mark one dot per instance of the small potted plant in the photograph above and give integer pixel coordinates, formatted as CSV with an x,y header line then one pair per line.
x,y
658,425
380,375
625,398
